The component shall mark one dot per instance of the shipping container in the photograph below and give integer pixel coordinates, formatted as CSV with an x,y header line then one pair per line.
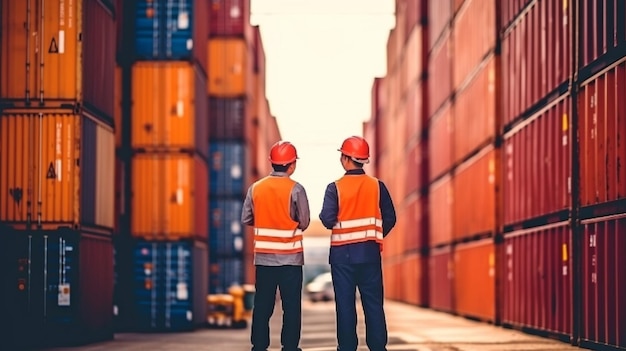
x,y
228,168
414,59
416,213
440,278
440,211
537,279
393,280
226,234
169,196
229,18
62,287
538,186
536,57
169,107
230,66
475,198
440,73
440,142
225,272
602,135
119,209
510,11
56,169
415,167
414,113
604,281
439,17
415,12
474,280
601,28
227,119
168,30
117,108
475,112
472,43
414,282
170,285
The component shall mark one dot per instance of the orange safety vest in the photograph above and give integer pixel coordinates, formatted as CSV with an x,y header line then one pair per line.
x,y
359,218
274,230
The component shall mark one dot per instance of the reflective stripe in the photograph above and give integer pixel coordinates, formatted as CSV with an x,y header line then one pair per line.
x,y
272,245
358,223
359,235
277,232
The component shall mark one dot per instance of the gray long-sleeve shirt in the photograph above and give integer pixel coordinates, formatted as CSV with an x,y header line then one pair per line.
x,y
299,211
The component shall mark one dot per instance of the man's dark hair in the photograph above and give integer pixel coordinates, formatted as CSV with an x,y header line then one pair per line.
x,y
280,168
356,164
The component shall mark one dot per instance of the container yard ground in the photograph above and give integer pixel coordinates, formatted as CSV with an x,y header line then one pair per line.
x,y
410,329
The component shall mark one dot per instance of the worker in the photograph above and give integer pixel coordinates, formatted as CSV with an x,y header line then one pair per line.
x,y
278,209
360,213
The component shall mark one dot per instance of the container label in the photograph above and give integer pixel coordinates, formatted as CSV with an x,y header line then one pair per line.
x,y
64,295
182,293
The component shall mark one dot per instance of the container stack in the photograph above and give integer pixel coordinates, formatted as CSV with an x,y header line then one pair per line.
x,y
232,137
162,254
56,172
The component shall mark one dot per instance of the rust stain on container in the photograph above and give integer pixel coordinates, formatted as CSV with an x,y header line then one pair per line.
x,y
174,203
229,73
474,279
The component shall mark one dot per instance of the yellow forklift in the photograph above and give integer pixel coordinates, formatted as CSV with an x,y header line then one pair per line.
x,y
232,310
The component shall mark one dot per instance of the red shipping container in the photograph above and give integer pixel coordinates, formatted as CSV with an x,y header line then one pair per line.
x,y
474,280
536,57
472,42
600,28
509,11
475,112
440,204
439,16
440,74
440,275
440,142
392,280
416,223
413,282
602,135
535,186
414,11
537,285
415,166
229,17
414,112
604,281
474,188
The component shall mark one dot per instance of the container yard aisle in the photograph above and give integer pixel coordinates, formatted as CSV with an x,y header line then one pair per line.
x,y
410,329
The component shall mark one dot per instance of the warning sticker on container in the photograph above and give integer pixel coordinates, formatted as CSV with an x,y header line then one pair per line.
x,y
51,174
64,295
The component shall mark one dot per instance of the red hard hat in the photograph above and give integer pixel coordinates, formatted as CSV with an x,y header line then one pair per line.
x,y
282,153
357,148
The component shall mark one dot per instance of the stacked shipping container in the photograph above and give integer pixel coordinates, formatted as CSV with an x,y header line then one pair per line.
x,y
56,171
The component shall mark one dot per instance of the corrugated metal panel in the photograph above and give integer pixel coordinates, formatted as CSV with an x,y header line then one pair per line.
x,y
602,131
170,285
229,64
414,112
227,165
414,287
439,16
535,186
63,283
168,30
98,56
604,281
441,142
229,17
174,203
169,109
440,73
227,118
417,219
509,11
601,28
474,188
440,211
414,11
117,109
414,167
475,112
40,56
536,57
474,279
392,280
472,42
537,273
414,58
42,170
440,275
226,231
224,273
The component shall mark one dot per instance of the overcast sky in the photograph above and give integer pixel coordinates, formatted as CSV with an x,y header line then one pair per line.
x,y
322,57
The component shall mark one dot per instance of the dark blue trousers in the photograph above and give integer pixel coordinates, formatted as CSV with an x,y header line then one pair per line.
x,y
368,278
289,280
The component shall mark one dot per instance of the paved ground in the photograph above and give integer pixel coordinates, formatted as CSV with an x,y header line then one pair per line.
x,y
410,329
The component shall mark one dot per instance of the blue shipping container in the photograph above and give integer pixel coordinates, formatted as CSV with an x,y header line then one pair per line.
x,y
226,230
170,285
225,272
164,29
227,168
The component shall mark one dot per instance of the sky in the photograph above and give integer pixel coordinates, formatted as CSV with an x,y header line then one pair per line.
x,y
321,59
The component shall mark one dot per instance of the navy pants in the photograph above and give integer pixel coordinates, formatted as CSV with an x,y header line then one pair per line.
x,y
289,280
368,278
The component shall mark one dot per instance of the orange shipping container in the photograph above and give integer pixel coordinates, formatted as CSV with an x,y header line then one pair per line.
x,y
440,204
441,142
56,169
414,282
170,106
229,67
474,279
169,196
